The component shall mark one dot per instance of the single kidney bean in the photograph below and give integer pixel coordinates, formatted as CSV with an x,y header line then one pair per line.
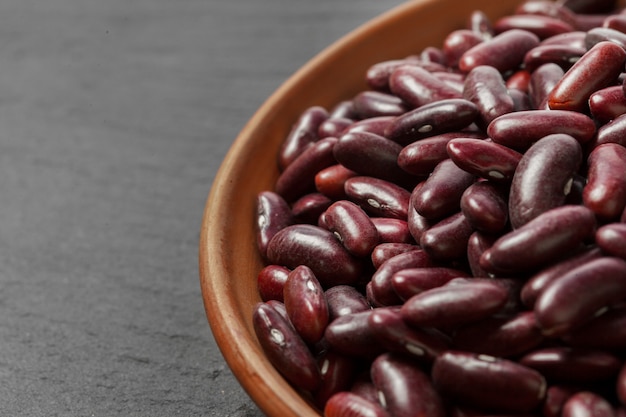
x,y
375,103
611,238
299,177
608,103
587,404
476,245
484,158
615,21
406,389
488,383
371,155
447,239
541,25
596,285
612,132
485,87
302,135
598,68
377,75
345,299
378,197
284,348
458,42
556,396
432,119
606,331
505,51
302,244
386,250
376,125
333,126
455,303
547,8
540,241
542,81
395,335
575,39
270,282
604,34
308,208
440,194
330,181
272,214
411,281
351,335
353,227
518,81
416,86
392,230
499,336
485,207
605,191
337,372
543,177
347,404
519,130
572,365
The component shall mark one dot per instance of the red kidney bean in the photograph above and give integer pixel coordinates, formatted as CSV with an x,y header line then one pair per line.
x,y
546,8
453,79
519,130
392,230
541,25
395,335
458,42
485,87
440,194
302,135
556,396
330,181
308,208
353,227
377,75
454,303
284,348
333,126
279,307
376,125
596,285
351,335
505,51
605,191
378,197
479,23
499,336
433,54
611,238
405,388
543,177
343,110
303,244
542,81
604,34
606,331
476,245
432,119
270,282
347,404
598,68
272,214
484,158
411,281
345,299
489,383
517,84
375,103
540,241
587,404
608,103
572,365
485,207
612,132
299,177
337,372
417,86
386,250
418,224
447,239
616,21
575,39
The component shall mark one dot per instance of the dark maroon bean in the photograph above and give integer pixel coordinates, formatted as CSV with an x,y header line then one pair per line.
x,y
611,238
505,51
485,207
279,306
432,54
605,191
439,196
302,135
556,396
406,389
606,331
418,224
543,177
375,103
615,21
310,245
376,125
417,87
371,155
447,239
453,79
596,285
270,282
588,6
299,177
612,132
455,303
519,130
575,39
378,197
347,404
308,208
480,23
387,250
572,365
603,34
489,383
432,119
542,26
546,8
284,348
411,281
458,42
621,385
330,181
333,126
540,241
353,227
337,372
518,80
485,87
343,110
476,245
587,404
364,387
500,336
272,214
598,68
352,335
542,81
345,299
608,103
392,230
395,335
377,76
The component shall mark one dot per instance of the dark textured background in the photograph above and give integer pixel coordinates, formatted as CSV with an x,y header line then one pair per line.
x,y
114,117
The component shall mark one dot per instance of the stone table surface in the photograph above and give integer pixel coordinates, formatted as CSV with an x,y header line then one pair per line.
x,y
114,118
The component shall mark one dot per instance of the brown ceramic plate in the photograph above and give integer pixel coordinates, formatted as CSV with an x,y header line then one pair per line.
x,y
229,261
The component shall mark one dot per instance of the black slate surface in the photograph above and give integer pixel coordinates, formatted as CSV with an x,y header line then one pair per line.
x,y
114,117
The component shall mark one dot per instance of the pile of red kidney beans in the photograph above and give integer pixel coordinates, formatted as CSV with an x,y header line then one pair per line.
x,y
452,241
